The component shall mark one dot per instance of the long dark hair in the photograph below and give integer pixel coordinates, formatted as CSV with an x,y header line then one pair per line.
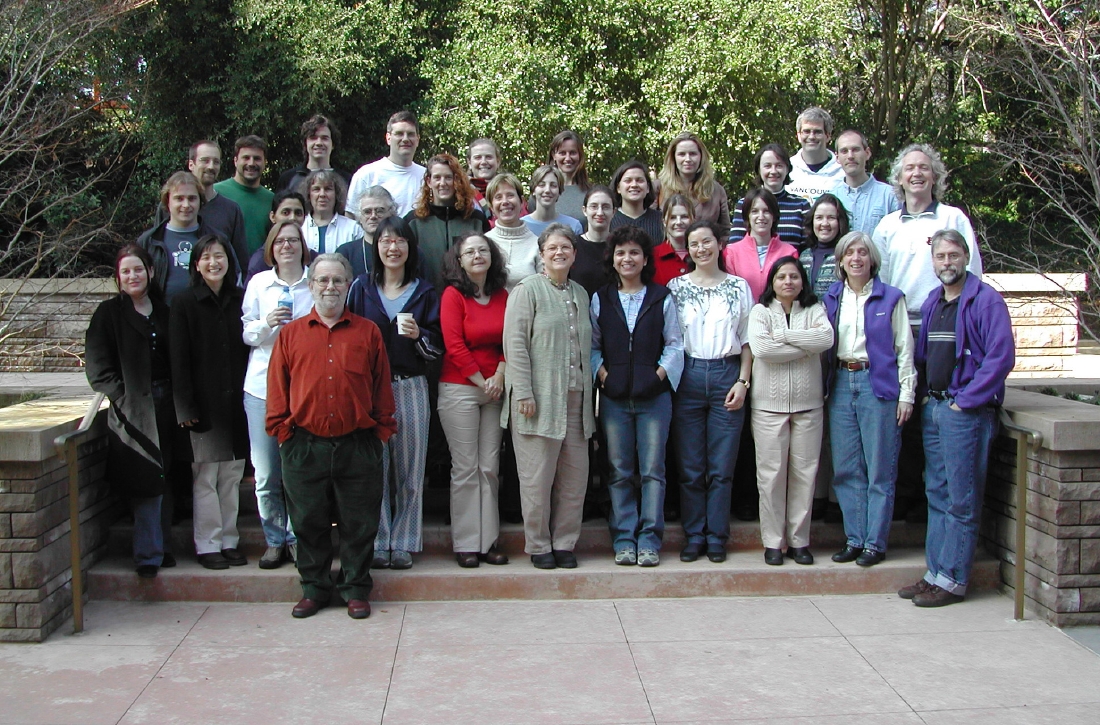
x,y
378,270
133,250
455,276
769,199
806,298
629,234
843,227
230,279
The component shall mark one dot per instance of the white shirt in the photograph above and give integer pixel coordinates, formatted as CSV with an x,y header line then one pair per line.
x,y
260,298
403,183
715,320
340,230
520,249
903,241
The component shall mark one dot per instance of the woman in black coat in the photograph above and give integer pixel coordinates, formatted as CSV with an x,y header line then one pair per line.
x,y
126,359
209,358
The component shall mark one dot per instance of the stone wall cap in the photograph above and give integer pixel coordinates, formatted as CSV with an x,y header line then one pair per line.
x,y
1039,283
1066,425
27,430
50,286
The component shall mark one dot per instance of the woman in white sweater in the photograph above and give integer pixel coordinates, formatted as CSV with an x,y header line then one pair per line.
x,y
517,244
788,331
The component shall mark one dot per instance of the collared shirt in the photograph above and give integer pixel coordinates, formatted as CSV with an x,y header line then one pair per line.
x,y
330,381
940,359
672,356
903,239
867,203
261,297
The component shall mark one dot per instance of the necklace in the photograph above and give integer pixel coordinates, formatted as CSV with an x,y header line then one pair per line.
x,y
562,286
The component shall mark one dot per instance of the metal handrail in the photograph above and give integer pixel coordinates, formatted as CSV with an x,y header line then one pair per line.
x,y
1024,437
67,446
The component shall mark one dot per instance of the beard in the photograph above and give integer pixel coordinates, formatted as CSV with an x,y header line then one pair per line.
x,y
951,275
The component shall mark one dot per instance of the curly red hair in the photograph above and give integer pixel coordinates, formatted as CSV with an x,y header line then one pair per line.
x,y
464,191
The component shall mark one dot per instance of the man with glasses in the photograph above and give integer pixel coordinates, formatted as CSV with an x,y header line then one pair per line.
x,y
814,168
330,404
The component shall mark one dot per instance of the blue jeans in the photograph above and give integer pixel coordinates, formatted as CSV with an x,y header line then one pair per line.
x,y
956,457
637,430
270,499
707,437
149,530
865,438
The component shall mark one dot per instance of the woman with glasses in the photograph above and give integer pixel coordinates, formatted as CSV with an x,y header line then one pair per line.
x,y
273,298
470,387
406,309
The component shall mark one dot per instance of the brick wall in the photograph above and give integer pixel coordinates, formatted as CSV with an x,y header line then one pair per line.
x,y
43,322
35,573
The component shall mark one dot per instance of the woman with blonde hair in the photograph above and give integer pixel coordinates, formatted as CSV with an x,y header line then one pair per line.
x,y
671,257
687,170
513,239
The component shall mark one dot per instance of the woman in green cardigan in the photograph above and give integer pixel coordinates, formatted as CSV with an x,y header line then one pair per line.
x,y
548,346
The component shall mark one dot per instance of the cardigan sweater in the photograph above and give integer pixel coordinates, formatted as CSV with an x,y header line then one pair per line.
x,y
786,357
743,261
536,342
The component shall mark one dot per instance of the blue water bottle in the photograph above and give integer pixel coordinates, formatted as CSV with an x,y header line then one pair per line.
x,y
285,300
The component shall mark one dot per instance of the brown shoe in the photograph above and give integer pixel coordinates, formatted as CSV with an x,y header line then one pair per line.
x,y
914,589
358,608
307,608
494,556
936,597
467,559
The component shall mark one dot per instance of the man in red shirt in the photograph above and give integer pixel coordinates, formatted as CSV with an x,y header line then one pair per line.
x,y
330,404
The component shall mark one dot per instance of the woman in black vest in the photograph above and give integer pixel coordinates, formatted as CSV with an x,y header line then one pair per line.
x,y
638,355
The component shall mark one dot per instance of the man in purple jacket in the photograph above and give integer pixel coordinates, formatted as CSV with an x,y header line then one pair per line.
x,y
964,353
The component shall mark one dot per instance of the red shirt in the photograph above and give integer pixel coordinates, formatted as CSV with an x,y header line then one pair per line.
x,y
668,263
472,334
329,381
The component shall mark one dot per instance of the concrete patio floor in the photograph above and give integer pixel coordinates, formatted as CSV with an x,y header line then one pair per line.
x,y
856,660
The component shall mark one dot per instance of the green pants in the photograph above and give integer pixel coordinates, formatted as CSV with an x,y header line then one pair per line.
x,y
330,480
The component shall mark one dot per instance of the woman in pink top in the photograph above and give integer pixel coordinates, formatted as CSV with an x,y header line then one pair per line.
x,y
470,387
754,255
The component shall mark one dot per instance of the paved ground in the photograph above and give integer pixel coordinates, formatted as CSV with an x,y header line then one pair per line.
x,y
851,660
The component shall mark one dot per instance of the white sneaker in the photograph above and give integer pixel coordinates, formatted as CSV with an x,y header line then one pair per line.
x,y
648,557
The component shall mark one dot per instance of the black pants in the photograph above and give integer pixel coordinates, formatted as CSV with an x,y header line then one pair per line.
x,y
327,480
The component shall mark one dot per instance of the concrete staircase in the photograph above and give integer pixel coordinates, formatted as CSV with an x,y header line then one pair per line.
x,y
435,576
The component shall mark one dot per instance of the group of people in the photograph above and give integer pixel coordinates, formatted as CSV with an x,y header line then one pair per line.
x,y
269,325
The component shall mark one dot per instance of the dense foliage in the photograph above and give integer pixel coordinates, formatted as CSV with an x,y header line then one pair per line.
x,y
627,75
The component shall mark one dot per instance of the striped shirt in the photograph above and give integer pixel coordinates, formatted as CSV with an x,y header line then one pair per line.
x,y
939,361
793,212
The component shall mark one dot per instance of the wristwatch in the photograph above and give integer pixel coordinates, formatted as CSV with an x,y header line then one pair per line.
x,y
743,382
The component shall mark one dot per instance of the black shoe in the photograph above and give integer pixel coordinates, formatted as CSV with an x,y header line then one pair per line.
x,y
800,554
870,557
691,552
169,561
716,553
848,553
818,511
544,561
564,559
234,557
213,561
147,571
773,557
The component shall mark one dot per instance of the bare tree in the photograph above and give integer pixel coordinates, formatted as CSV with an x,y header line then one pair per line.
x,y
62,138
1036,65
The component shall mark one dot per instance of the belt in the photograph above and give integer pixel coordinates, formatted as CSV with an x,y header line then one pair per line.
x,y
939,394
853,365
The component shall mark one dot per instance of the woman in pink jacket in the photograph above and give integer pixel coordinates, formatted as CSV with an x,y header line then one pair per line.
x,y
758,250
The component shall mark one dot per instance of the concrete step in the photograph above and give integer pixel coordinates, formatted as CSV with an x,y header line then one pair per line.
x,y
595,538
436,577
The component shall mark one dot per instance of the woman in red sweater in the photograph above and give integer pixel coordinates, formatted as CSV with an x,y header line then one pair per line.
x,y
470,387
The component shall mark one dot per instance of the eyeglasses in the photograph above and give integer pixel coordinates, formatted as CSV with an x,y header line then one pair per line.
x,y
393,242
557,249
286,242
334,281
378,211
471,253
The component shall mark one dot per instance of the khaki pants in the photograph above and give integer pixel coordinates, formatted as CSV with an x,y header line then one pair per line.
x,y
471,421
787,449
553,476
